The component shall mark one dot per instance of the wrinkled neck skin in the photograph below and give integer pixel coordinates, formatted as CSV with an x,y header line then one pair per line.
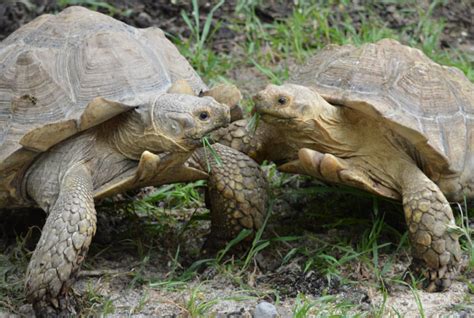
x,y
325,133
360,139
130,137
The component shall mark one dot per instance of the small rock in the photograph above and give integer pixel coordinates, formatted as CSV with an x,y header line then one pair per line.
x,y
144,20
265,310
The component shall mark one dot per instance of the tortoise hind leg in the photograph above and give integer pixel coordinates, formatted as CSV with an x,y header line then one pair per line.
x,y
63,244
436,251
237,193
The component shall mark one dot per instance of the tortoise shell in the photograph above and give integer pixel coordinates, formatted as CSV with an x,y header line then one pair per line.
x,y
62,74
431,106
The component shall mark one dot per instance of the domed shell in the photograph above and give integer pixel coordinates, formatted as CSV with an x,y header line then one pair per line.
x,y
430,105
62,74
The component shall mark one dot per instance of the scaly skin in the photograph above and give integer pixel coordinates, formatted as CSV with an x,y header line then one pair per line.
x,y
236,193
436,252
63,245
263,143
237,188
335,170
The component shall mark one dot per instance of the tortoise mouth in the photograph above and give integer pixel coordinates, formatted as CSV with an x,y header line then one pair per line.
x,y
193,142
269,116
196,138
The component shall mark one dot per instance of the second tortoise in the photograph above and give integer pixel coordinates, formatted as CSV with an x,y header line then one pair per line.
x,y
382,117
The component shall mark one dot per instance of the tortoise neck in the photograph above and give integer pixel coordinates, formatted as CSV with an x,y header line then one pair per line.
x,y
367,142
330,131
129,136
123,134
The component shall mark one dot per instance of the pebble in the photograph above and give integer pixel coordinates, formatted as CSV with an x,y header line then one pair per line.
x,y
144,20
265,310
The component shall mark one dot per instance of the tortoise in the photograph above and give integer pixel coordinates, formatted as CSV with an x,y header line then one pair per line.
x,y
100,109
382,117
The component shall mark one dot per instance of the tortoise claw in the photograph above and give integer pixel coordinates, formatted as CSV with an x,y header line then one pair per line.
x,y
433,280
330,168
62,307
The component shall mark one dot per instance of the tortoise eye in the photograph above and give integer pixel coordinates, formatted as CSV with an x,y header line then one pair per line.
x,y
282,100
204,116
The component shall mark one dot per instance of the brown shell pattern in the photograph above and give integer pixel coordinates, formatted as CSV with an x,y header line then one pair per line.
x,y
431,105
55,66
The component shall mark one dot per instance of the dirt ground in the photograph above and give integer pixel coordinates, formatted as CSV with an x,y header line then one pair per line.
x,y
120,269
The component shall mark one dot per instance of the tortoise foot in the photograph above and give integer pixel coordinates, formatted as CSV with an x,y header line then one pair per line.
x,y
435,280
237,194
61,308
432,231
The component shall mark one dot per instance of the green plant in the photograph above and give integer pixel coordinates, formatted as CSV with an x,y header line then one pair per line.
x,y
197,305
200,36
176,195
258,244
13,262
208,63
302,307
270,47
253,122
465,232
94,303
208,148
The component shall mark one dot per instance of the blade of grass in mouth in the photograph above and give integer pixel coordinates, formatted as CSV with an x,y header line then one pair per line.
x,y
253,123
208,147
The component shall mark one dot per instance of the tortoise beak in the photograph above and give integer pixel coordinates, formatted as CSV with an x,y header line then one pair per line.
x,y
260,104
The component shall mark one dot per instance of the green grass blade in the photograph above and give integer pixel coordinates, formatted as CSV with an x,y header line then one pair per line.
x,y
208,147
207,24
252,125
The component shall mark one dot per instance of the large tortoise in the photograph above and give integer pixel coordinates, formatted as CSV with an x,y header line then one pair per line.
x,y
382,117
90,107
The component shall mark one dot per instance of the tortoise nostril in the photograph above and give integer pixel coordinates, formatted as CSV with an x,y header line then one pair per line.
x,y
257,97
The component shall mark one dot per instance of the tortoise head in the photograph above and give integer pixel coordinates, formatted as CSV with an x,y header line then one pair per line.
x,y
288,104
177,122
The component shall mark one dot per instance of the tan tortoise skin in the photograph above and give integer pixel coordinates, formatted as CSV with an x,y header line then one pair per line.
x,y
379,117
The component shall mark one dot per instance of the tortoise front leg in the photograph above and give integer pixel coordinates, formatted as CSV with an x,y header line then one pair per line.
x,y
237,193
436,250
329,168
63,245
